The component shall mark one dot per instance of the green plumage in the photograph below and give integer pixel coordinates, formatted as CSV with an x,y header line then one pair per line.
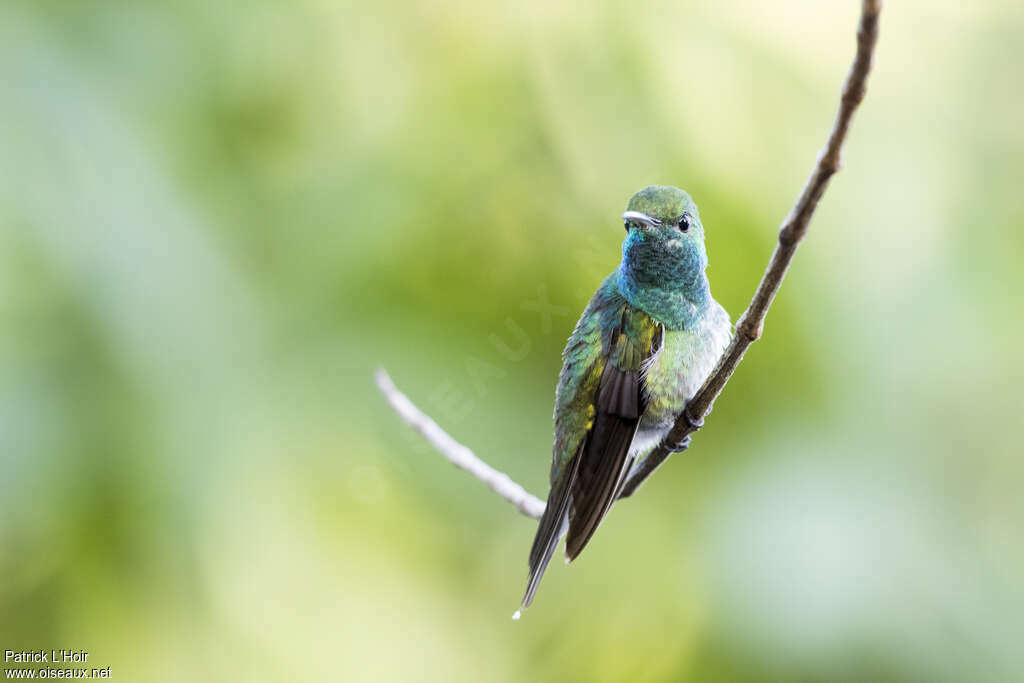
x,y
599,338
645,343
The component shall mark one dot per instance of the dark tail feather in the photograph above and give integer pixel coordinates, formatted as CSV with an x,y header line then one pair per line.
x,y
553,525
537,571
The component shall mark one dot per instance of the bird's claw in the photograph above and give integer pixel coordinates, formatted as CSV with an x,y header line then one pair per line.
x,y
694,424
679,446
684,443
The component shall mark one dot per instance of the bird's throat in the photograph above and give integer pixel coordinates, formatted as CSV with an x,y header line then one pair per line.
x,y
677,305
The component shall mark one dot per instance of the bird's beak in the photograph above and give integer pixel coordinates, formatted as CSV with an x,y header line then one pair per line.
x,y
636,216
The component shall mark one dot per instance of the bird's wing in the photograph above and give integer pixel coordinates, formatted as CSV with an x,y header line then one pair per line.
x,y
605,456
597,407
575,407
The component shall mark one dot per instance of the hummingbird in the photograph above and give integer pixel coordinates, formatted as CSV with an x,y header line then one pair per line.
x,y
645,344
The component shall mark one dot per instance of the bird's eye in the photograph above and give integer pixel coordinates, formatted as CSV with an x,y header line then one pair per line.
x,y
626,225
685,222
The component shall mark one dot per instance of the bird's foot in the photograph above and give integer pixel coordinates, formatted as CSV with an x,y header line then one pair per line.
x,y
684,443
679,446
694,424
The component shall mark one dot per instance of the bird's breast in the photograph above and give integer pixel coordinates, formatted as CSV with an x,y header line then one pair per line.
x,y
681,366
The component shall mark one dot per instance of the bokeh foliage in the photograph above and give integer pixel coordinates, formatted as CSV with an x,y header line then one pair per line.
x,y
217,218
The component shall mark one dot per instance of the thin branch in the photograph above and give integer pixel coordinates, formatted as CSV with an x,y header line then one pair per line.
x,y
748,327
751,323
457,454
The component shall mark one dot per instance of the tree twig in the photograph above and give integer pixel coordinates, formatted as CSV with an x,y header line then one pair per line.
x,y
748,327
457,454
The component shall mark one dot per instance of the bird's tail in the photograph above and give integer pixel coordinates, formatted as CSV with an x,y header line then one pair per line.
x,y
553,525
537,570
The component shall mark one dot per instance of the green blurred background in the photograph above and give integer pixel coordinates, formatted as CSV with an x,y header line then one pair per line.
x,y
216,219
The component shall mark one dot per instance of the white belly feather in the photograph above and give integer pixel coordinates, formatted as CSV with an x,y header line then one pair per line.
x,y
674,374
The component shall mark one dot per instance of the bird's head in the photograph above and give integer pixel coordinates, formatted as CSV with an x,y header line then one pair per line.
x,y
664,245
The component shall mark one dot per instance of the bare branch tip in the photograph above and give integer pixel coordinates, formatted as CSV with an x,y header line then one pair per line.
x,y
457,454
